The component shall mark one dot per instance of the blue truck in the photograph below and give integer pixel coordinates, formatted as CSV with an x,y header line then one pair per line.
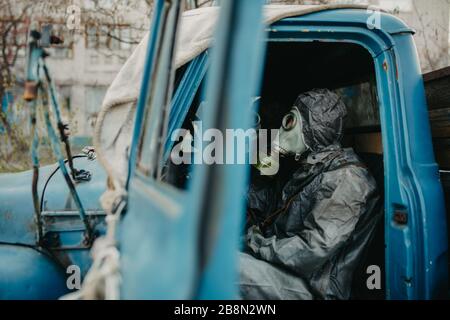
x,y
179,227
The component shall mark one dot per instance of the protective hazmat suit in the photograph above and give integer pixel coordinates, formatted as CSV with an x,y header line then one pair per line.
x,y
308,226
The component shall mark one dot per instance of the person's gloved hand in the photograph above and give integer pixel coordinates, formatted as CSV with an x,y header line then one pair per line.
x,y
255,239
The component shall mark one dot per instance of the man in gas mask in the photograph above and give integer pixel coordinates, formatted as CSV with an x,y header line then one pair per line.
x,y
308,226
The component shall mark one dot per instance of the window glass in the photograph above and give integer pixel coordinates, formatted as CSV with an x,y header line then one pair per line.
x,y
175,174
362,104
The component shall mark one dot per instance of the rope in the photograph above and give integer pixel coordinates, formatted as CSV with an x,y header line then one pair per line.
x,y
102,282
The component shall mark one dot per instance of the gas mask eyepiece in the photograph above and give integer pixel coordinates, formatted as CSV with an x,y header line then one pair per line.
x,y
289,121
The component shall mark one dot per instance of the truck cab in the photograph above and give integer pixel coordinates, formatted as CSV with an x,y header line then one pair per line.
x,y
179,235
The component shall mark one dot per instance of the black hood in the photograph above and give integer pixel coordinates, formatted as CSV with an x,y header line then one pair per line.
x,y
323,115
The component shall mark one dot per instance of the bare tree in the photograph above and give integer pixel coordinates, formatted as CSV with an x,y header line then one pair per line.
x,y
10,47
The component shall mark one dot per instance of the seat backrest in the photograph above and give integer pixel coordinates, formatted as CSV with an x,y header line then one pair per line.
x,y
374,252
375,164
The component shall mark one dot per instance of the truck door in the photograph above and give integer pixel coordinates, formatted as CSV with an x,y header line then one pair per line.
x,y
182,243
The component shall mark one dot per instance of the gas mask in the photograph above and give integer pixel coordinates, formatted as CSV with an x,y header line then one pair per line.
x,y
289,141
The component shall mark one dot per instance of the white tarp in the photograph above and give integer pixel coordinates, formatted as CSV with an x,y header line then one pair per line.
x,y
115,121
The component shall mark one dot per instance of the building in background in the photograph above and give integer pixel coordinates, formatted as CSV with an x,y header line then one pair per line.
x,y
86,67
85,64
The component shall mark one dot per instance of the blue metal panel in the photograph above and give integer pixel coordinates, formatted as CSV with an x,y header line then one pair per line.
x,y
389,24
157,240
419,177
29,274
315,27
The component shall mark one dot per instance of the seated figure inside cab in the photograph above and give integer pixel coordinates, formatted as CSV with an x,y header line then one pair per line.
x,y
308,225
